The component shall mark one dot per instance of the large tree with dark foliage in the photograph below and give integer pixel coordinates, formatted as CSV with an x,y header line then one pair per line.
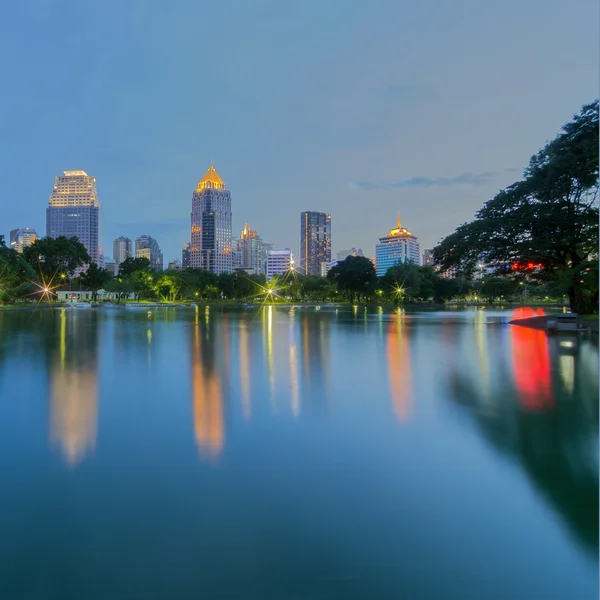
x,y
51,257
544,227
355,275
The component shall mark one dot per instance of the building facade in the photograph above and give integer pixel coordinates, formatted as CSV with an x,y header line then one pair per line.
x,y
428,258
74,210
21,238
315,241
185,256
397,247
211,247
250,251
278,262
343,254
122,250
147,247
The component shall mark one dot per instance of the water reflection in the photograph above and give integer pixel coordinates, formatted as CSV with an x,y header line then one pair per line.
x,y
74,386
399,366
314,339
531,364
207,399
244,351
550,430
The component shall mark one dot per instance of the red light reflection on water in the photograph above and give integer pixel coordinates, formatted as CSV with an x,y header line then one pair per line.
x,y
531,363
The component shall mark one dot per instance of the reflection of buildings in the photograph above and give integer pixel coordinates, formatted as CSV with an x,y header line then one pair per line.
x,y
556,446
399,370
206,395
74,386
314,338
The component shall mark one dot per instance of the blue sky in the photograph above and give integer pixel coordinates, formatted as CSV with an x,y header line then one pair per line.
x,y
361,109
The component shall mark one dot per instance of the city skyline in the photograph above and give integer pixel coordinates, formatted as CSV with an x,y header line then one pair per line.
x,y
430,130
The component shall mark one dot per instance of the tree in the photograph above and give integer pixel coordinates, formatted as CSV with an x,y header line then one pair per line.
x,y
403,279
16,274
493,288
94,278
168,285
52,256
354,275
545,227
130,265
119,286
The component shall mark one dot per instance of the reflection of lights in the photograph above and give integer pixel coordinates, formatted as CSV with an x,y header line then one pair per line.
x,y
270,352
566,344
245,370
566,367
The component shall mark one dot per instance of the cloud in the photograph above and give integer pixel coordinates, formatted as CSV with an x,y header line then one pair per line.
x,y
463,179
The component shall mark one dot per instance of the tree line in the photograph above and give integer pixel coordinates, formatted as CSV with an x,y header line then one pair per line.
x,y
51,263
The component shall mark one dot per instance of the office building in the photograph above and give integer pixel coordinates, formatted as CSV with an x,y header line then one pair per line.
x,y
185,256
21,238
175,265
250,251
397,247
111,266
211,247
315,241
147,247
121,250
343,254
428,258
74,210
278,262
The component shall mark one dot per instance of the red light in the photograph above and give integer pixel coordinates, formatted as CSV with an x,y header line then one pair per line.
x,y
530,265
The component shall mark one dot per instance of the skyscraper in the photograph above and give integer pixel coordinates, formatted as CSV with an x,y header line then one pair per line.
x,y
185,256
22,237
74,210
398,246
278,262
147,247
211,247
121,250
315,241
428,258
250,250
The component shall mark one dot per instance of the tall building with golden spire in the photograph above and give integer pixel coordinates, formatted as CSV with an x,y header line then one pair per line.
x,y
211,225
397,247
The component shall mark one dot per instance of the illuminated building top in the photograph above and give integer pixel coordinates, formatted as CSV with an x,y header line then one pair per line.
x,y
74,188
399,230
248,233
211,181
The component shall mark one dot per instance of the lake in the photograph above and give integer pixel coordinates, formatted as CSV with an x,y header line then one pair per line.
x,y
295,453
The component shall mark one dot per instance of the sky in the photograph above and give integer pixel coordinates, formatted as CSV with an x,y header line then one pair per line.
x,y
359,109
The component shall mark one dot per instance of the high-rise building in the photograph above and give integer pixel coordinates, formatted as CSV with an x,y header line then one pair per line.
x,y
121,250
211,247
74,210
111,266
174,265
398,246
278,262
315,241
147,247
21,238
185,256
343,254
250,250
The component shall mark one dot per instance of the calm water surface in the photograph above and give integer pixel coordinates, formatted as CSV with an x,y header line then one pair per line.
x,y
294,453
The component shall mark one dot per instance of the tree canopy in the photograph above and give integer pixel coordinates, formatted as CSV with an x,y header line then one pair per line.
x,y
544,227
53,256
354,275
